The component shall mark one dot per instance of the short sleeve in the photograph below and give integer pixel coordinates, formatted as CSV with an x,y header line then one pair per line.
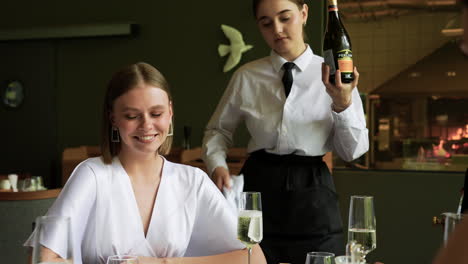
x,y
215,226
76,201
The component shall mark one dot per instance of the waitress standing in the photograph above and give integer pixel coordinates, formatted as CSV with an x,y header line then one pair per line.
x,y
294,116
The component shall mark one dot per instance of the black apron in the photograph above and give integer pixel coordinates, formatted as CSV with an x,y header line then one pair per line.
x,y
299,204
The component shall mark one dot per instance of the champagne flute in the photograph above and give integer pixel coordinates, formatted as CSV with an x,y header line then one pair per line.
x,y
343,260
122,259
250,224
53,233
451,221
320,258
362,225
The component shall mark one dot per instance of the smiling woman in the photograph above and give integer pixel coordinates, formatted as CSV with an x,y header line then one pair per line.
x,y
119,107
134,201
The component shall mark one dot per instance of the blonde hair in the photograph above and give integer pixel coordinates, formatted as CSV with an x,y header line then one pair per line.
x,y
123,81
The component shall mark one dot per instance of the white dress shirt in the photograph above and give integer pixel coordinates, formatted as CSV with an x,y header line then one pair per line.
x,y
303,123
190,216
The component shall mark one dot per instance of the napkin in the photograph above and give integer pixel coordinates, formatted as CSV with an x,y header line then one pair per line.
x,y
233,195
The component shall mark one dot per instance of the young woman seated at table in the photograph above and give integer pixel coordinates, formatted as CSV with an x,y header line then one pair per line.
x,y
131,200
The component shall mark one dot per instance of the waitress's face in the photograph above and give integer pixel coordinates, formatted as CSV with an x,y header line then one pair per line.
x,y
281,23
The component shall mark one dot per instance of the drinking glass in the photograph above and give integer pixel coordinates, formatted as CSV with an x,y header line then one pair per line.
x,y
319,258
451,221
53,240
346,260
361,226
250,224
27,185
343,260
39,183
122,259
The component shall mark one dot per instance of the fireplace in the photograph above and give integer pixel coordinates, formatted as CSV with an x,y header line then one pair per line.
x,y
419,119
419,133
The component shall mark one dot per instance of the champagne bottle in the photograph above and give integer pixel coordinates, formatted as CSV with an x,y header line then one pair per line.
x,y
337,46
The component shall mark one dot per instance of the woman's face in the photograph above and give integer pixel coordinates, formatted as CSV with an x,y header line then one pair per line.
x,y
281,23
143,116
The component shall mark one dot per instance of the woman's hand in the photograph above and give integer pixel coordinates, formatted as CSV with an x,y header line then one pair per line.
x,y
221,177
341,93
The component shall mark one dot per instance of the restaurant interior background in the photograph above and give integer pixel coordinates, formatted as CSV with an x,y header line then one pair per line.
x,y
64,80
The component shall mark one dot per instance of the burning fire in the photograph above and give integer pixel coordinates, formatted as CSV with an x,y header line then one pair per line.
x,y
460,133
456,135
439,150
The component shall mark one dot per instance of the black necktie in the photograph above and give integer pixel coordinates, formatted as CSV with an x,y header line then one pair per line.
x,y
287,77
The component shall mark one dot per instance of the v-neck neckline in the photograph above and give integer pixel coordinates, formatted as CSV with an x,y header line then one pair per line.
x,y
135,204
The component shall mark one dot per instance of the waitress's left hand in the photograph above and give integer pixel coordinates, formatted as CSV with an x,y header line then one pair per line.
x,y
341,93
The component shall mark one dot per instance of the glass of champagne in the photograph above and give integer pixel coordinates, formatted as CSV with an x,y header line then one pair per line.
x,y
52,240
362,225
451,221
250,224
122,259
320,258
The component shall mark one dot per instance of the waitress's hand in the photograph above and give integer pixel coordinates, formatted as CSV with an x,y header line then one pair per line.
x,y
221,177
341,93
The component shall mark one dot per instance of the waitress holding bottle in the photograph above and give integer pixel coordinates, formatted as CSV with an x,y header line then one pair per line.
x,y
294,116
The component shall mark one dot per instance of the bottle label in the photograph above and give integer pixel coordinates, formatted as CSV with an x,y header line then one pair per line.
x,y
345,61
332,8
330,60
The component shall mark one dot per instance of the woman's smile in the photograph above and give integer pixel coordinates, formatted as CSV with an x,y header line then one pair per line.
x,y
146,138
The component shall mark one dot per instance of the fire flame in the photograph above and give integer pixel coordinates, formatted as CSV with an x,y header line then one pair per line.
x,y
454,135
460,133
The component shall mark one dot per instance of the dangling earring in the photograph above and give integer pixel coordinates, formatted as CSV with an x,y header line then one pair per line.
x,y
115,137
171,130
305,23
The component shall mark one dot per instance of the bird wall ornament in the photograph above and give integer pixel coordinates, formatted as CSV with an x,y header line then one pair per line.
x,y
236,48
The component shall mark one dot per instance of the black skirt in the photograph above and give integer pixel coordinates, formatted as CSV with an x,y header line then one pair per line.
x,y
300,206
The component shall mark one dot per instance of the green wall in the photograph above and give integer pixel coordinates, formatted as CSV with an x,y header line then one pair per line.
x,y
180,38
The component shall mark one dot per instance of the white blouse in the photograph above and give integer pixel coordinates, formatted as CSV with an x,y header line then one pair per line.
x,y
190,216
303,123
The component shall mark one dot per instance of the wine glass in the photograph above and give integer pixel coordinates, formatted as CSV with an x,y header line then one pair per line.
x,y
53,240
320,258
451,221
27,185
122,259
250,224
362,225
344,259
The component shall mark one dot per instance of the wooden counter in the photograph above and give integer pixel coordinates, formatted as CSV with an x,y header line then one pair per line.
x,y
36,195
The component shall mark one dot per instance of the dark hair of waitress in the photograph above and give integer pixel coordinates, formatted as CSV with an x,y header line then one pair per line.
x,y
294,116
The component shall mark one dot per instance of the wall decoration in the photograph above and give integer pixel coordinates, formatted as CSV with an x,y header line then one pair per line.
x,y
236,48
13,94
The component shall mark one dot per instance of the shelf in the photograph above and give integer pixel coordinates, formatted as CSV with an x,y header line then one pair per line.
x,y
37,195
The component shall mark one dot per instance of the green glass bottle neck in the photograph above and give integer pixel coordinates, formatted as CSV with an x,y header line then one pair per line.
x,y
333,15
332,3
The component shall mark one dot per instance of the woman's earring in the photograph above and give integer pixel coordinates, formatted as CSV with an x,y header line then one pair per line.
x,y
115,137
171,130
305,23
